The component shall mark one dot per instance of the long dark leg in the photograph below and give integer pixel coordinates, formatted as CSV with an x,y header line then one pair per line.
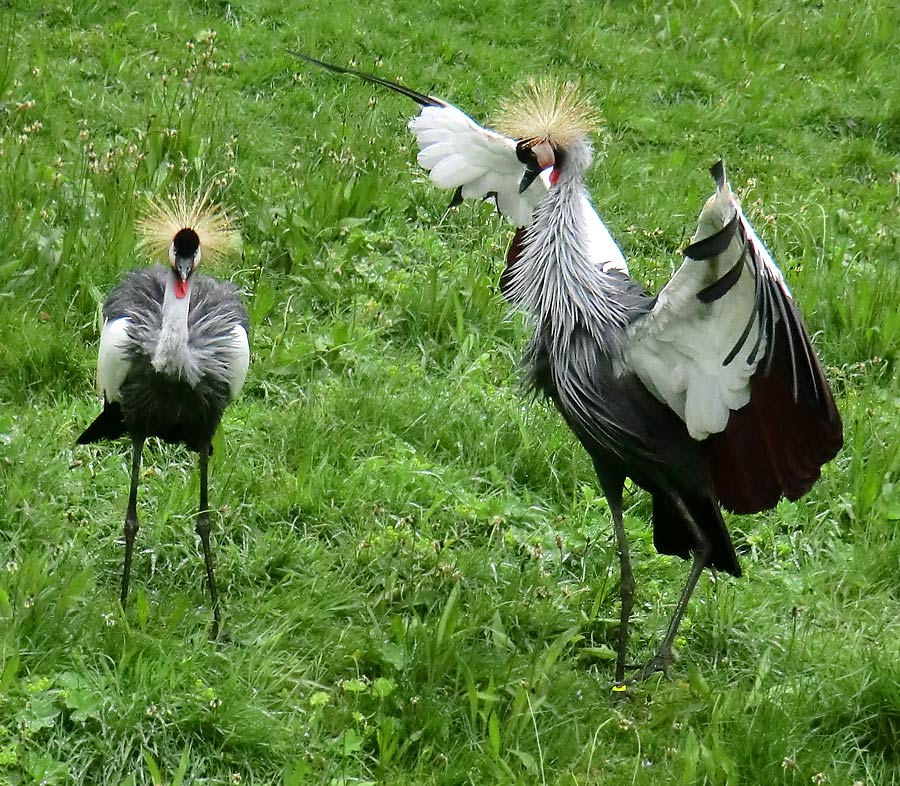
x,y
131,519
660,661
626,580
612,490
202,529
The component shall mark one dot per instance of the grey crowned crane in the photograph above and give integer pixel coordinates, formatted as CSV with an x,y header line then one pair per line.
x,y
707,395
173,353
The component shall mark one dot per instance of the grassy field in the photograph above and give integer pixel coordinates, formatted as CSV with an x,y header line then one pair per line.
x,y
416,564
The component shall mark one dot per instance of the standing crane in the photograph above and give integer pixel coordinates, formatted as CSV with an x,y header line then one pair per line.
x,y
707,395
174,352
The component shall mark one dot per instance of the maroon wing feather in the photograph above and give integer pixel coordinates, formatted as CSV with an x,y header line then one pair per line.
x,y
776,445
512,259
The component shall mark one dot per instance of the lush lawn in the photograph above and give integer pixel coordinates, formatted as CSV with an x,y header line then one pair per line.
x,y
417,568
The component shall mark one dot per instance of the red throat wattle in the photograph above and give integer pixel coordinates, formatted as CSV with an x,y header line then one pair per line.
x,y
554,176
181,289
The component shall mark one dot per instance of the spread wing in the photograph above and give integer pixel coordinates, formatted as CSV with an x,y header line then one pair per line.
x,y
725,347
479,163
475,161
460,154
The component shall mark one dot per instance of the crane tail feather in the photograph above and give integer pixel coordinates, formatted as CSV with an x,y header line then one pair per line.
x,y
109,424
670,531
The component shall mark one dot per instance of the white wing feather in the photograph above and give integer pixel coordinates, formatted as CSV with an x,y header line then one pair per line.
x,y
601,246
113,362
679,349
459,153
239,361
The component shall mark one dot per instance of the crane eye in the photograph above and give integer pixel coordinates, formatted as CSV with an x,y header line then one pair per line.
x,y
524,152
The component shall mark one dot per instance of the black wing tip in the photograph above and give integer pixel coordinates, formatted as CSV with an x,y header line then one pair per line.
x,y
717,171
457,199
415,95
321,63
531,174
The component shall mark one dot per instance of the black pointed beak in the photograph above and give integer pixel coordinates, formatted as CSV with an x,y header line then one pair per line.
x,y
531,174
537,155
184,266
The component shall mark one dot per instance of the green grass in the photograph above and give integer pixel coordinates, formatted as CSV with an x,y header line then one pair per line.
x,y
416,566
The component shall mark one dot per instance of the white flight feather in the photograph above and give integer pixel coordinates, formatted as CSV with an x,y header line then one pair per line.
x,y
239,361
113,362
678,349
601,248
459,153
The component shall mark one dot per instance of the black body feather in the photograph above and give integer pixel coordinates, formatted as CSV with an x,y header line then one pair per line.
x,y
628,432
109,424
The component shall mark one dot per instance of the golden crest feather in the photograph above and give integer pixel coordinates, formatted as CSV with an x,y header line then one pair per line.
x,y
546,109
166,217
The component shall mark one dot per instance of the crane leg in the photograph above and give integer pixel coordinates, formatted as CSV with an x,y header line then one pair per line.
x,y
131,519
626,580
660,661
202,529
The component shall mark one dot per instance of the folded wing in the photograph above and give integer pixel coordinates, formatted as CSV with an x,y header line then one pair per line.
x,y
113,360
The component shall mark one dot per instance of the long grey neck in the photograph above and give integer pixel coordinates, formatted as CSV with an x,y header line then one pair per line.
x,y
555,279
172,356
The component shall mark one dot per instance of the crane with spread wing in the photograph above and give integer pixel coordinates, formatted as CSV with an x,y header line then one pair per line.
x,y
707,395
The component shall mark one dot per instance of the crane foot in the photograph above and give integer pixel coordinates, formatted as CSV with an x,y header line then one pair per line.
x,y
658,663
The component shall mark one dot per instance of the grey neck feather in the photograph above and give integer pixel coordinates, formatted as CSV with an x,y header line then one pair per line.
x,y
172,355
555,281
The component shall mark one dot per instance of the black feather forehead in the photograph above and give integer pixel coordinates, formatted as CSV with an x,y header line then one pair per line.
x,y
166,219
